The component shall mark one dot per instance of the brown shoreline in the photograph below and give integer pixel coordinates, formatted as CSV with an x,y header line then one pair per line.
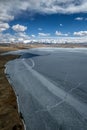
x,y
10,119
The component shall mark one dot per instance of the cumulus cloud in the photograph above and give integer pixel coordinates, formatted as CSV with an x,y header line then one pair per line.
x,y
19,28
80,33
5,11
59,40
4,26
58,33
79,18
33,36
6,17
17,37
6,37
44,34
61,25
10,8
24,38
40,29
22,35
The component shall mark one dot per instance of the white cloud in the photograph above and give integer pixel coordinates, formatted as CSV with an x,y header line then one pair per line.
x,y
17,37
6,17
19,28
22,35
80,33
44,34
10,8
61,25
58,33
79,18
4,26
33,36
6,37
6,11
59,40
40,29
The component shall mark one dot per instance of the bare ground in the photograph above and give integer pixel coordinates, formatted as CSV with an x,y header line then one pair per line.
x,y
10,119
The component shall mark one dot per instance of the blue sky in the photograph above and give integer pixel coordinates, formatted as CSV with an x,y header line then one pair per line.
x,y
35,19
51,23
